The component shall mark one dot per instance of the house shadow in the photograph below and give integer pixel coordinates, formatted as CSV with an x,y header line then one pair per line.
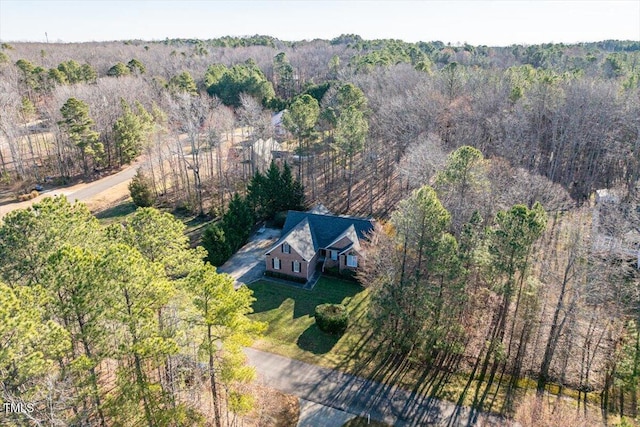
x,y
271,295
266,298
316,341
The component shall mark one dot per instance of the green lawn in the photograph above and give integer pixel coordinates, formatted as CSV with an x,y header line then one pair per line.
x,y
292,333
292,330
116,213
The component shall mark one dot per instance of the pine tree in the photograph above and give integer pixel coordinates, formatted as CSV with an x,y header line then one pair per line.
x,y
78,126
237,222
292,192
275,192
225,330
140,190
215,243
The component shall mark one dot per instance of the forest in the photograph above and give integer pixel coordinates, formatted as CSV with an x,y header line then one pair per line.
x,y
504,182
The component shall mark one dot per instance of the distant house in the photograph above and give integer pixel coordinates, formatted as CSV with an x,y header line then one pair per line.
x,y
278,126
312,241
608,235
606,195
262,153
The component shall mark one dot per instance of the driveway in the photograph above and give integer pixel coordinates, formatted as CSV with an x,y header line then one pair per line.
x,y
247,264
357,396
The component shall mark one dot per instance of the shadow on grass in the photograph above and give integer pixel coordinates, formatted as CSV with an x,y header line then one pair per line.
x,y
267,297
316,341
290,311
271,295
118,211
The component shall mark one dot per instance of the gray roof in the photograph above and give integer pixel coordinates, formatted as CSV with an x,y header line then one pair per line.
x,y
301,239
307,232
328,227
350,233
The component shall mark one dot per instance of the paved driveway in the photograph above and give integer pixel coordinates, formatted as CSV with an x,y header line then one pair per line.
x,y
247,264
83,192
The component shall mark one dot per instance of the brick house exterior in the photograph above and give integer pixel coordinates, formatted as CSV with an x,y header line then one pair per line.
x,y
312,241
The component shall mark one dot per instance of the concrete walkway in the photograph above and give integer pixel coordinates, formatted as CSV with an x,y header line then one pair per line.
x,y
316,415
355,395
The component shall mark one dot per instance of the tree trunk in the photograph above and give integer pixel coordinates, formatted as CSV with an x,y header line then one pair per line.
x,y
212,379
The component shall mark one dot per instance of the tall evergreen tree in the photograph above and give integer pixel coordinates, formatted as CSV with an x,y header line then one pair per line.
x,y
274,192
237,222
225,329
78,126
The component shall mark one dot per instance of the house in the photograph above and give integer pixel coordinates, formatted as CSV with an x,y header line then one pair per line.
x,y
262,153
255,155
317,240
610,235
278,126
607,195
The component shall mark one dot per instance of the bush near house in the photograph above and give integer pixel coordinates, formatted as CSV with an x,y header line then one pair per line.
x,y
332,318
285,277
222,239
345,274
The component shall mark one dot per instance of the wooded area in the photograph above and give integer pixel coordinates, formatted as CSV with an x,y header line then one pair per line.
x,y
494,254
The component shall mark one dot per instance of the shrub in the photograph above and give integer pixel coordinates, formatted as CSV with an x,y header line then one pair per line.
x,y
140,190
280,218
277,275
332,318
345,274
28,196
216,245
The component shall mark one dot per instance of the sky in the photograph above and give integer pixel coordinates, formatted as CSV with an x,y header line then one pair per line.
x,y
479,22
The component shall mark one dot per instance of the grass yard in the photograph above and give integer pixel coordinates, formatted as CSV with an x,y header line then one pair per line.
x,y
116,213
292,330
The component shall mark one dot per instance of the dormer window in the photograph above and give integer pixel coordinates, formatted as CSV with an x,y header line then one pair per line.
x,y
286,249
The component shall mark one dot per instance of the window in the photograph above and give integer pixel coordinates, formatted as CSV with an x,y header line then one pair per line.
x,y
275,263
333,254
286,249
295,266
352,261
